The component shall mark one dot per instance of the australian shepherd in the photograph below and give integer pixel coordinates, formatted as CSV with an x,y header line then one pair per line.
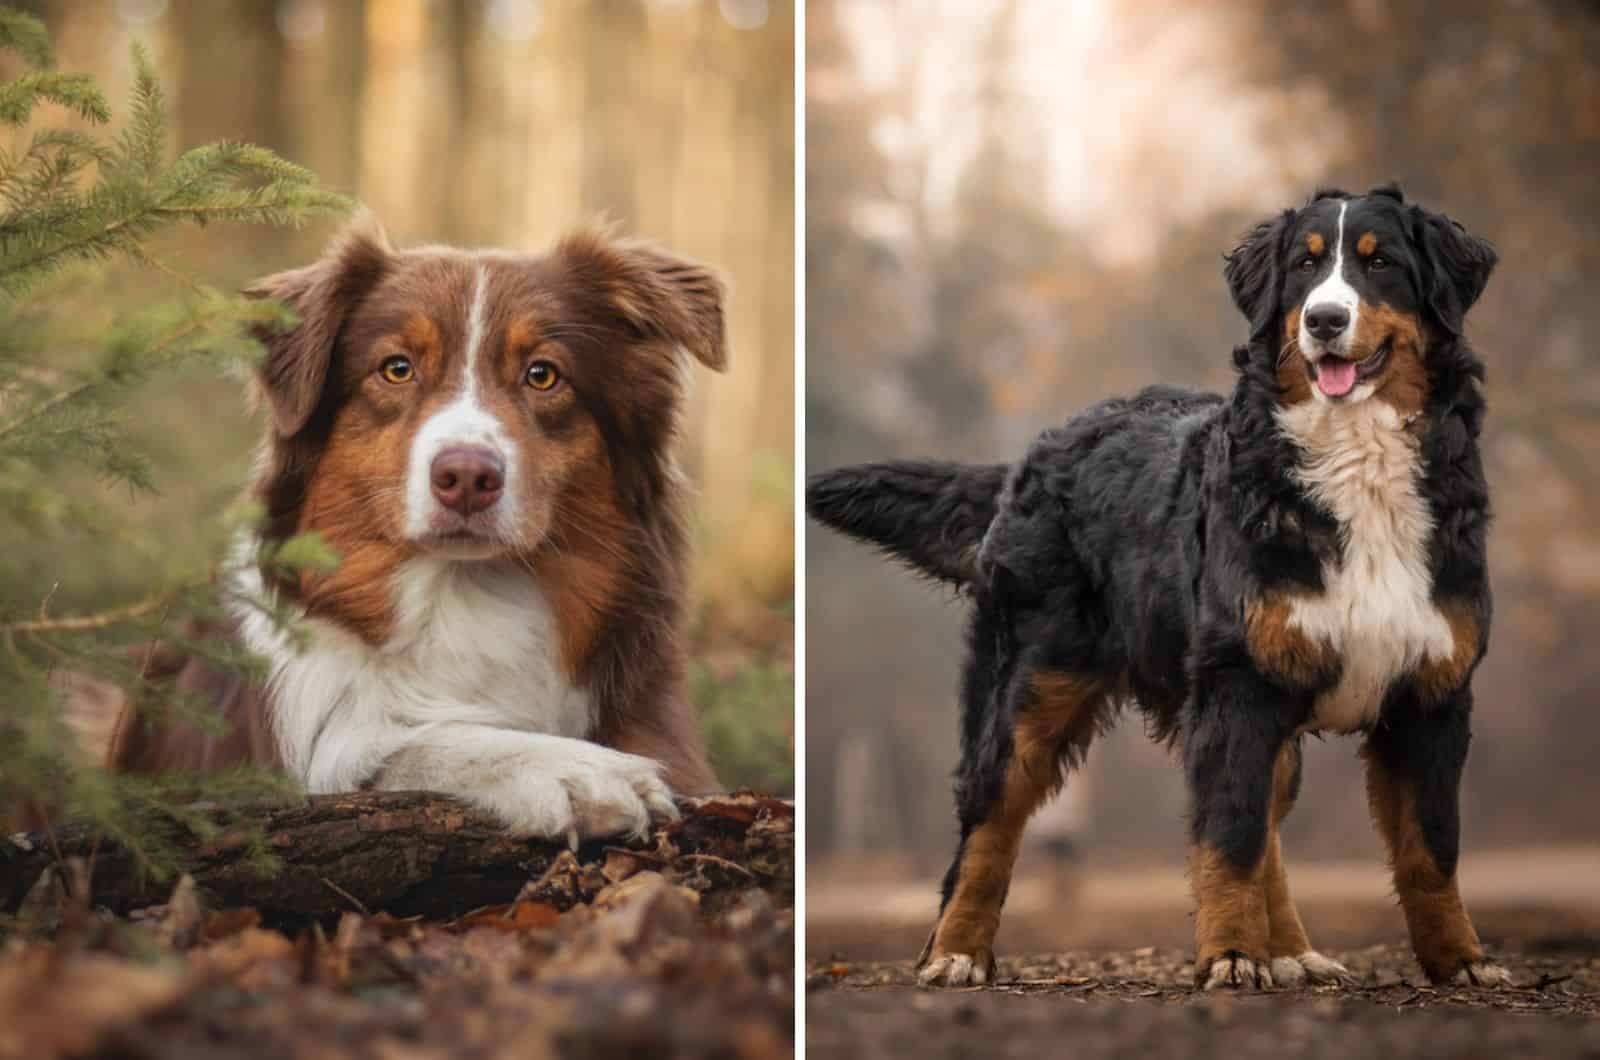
x,y
485,439
1305,554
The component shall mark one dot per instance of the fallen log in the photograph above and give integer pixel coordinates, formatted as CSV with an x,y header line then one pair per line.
x,y
417,853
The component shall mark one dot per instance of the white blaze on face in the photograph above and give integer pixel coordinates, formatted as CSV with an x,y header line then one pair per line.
x,y
463,422
1333,290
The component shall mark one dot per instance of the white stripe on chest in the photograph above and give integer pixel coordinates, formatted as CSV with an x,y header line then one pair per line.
x,y
1361,464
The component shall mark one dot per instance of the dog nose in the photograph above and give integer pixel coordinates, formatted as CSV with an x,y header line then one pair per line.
x,y
468,479
1327,321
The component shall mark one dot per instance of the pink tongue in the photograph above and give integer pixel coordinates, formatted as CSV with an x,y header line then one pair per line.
x,y
1336,377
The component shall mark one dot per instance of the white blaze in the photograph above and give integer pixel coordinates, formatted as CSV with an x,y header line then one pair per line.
x,y
463,421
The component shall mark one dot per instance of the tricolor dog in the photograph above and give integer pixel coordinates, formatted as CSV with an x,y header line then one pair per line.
x,y
1305,554
485,439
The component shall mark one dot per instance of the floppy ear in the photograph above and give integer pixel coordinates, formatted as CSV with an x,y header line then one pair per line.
x,y
1456,267
1255,273
656,292
295,371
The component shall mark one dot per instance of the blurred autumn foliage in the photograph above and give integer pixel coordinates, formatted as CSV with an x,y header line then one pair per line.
x,y
1018,207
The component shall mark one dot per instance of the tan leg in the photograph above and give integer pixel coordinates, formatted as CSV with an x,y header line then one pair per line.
x,y
1230,921
1056,725
1293,959
1442,935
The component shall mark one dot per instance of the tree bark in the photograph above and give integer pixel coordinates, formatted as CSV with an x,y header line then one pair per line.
x,y
417,853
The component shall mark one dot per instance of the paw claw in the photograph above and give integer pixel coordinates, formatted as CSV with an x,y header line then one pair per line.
x,y
1236,971
1482,973
1311,968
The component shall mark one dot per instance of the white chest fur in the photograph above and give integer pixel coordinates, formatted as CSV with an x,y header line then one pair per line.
x,y
472,642
1360,462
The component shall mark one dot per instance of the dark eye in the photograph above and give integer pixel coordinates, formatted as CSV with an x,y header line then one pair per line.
x,y
1378,263
397,370
1306,264
542,375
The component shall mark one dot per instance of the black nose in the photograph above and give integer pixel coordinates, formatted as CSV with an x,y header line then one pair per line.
x,y
468,479
1327,321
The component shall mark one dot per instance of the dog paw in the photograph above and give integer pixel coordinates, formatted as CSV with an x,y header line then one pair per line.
x,y
1482,973
957,969
595,792
1309,967
621,794
1235,971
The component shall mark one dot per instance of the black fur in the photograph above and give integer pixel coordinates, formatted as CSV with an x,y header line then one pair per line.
x,y
928,514
1125,545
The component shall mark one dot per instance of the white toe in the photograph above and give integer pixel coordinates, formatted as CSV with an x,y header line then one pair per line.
x,y
1288,971
1483,973
1238,972
1320,969
954,969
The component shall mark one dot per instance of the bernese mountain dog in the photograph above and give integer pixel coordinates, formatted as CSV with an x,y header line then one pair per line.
x,y
1303,555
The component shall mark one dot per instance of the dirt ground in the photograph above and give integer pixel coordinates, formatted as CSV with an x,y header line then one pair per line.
x,y
1099,966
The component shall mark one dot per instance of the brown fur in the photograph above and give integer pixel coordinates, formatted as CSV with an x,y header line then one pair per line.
x,y
1315,244
1403,382
1060,722
1436,679
1282,650
1441,933
1231,908
605,532
1366,244
1294,382
1286,935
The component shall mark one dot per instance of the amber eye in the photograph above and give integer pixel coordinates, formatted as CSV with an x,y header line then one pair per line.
x,y
397,370
1378,264
1307,264
542,375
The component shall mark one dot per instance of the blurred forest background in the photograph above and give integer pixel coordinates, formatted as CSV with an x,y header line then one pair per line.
x,y
489,123
1017,207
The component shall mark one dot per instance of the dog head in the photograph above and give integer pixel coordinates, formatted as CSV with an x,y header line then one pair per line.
x,y
476,405
1349,293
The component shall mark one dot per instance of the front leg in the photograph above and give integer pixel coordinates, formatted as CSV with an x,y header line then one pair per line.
x,y
1236,730
538,785
1414,761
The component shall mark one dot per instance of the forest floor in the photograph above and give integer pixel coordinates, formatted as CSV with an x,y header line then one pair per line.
x,y
679,946
1100,966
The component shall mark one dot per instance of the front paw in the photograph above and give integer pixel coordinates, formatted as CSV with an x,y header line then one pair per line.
x,y
1235,971
1309,967
597,792
957,969
1481,972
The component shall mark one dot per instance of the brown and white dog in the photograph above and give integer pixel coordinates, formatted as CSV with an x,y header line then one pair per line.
x,y
486,439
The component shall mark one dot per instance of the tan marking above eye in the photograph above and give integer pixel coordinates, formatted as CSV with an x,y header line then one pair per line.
x,y
1366,244
1315,244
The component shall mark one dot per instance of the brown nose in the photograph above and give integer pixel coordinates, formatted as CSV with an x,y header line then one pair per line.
x,y
468,479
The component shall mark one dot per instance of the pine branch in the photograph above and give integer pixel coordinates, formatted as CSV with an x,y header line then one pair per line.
x,y
72,393
116,616
26,36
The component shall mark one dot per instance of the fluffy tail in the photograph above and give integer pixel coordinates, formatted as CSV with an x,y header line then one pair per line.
x,y
927,514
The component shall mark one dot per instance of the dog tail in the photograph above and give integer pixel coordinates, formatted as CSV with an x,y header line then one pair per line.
x,y
929,515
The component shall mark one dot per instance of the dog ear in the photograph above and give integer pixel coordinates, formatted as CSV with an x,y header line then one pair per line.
x,y
1456,267
1255,273
295,371
657,293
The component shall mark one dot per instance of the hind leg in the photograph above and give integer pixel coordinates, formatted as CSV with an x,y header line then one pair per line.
x,y
1293,960
1051,726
